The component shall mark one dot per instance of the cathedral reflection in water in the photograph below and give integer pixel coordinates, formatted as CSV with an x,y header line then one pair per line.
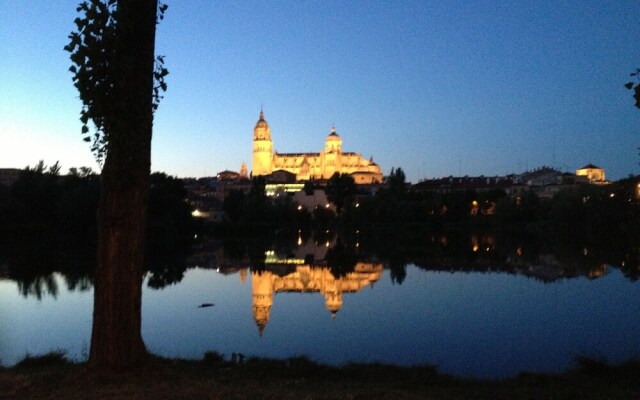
x,y
309,278
307,271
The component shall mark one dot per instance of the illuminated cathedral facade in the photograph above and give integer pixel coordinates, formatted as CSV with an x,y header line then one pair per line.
x,y
311,166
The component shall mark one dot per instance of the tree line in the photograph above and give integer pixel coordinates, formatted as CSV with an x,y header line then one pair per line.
x,y
42,200
588,211
48,223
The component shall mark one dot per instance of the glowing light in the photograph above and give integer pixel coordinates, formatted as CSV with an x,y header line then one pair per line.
x,y
475,248
474,208
327,205
299,208
276,189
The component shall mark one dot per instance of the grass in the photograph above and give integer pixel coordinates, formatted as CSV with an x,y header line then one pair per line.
x,y
56,358
52,376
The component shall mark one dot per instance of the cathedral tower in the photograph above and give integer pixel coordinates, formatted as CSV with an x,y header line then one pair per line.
x,y
262,148
262,288
332,154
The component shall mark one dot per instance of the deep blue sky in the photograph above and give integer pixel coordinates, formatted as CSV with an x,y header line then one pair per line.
x,y
438,88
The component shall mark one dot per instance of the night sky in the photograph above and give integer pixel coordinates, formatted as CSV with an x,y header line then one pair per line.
x,y
438,88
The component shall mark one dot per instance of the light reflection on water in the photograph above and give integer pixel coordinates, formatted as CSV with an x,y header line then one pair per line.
x,y
468,323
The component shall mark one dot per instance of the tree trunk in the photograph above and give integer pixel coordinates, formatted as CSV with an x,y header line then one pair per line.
x,y
116,340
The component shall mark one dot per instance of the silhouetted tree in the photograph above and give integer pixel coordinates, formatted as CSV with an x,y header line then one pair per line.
x,y
636,90
82,172
234,204
341,190
322,217
170,226
256,202
114,68
635,86
397,272
33,197
520,210
341,259
308,188
397,182
77,204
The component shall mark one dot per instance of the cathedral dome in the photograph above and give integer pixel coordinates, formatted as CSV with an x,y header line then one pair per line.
x,y
333,144
262,131
261,122
333,136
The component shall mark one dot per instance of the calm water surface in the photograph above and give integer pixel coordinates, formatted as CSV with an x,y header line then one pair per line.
x,y
491,324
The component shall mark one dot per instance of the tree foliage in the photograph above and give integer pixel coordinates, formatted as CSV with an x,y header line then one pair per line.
x,y
635,86
93,49
397,182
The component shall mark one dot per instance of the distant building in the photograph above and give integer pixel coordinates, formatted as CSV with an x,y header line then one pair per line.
x,y
243,171
592,173
539,177
310,166
463,183
544,182
282,176
227,175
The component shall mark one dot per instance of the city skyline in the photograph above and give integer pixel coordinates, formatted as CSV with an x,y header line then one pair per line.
x,y
439,90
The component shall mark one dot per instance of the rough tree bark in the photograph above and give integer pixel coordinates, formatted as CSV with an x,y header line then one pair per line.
x,y
116,340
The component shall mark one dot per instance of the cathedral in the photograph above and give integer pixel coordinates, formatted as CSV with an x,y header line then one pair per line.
x,y
310,166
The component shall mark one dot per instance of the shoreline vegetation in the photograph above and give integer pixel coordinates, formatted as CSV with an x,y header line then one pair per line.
x,y
53,376
42,200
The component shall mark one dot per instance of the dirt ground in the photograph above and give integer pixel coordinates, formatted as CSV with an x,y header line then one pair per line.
x,y
299,378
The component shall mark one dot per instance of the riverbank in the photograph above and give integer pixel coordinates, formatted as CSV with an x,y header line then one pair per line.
x,y
53,377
